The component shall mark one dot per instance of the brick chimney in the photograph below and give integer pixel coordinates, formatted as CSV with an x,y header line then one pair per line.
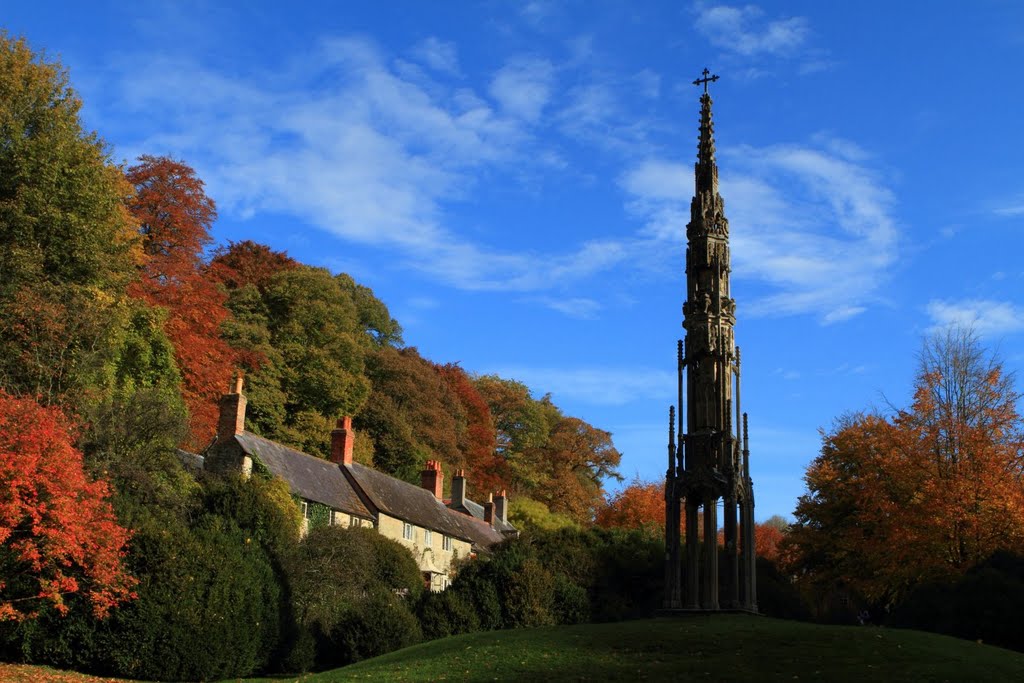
x,y
432,479
459,489
489,509
342,439
501,506
232,414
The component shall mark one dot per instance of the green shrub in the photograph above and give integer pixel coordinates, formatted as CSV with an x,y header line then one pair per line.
x,y
985,604
208,607
447,613
777,596
379,623
338,578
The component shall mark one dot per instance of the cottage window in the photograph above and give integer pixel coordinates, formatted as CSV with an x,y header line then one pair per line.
x,y
407,531
335,518
305,510
446,542
428,538
354,522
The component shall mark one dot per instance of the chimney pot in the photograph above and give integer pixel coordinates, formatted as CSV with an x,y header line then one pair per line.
x,y
489,510
232,413
342,441
501,506
459,490
432,479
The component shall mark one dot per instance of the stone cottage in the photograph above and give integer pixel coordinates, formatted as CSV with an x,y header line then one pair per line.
x,y
341,492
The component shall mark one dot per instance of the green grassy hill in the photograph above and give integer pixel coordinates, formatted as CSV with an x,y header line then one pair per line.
x,y
700,648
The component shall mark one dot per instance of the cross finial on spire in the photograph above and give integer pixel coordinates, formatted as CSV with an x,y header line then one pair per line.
x,y
707,79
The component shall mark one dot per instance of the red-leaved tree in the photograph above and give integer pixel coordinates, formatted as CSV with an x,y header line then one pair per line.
x,y
638,505
58,533
175,216
477,438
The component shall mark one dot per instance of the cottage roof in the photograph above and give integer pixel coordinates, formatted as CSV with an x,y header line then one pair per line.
x,y
482,534
476,510
309,477
419,506
193,462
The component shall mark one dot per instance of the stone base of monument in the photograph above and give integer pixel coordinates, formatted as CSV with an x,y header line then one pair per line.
x,y
680,612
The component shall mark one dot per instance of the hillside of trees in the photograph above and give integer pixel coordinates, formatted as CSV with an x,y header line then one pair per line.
x,y
122,323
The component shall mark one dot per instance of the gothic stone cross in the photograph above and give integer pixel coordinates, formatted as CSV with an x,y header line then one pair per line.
x,y
706,80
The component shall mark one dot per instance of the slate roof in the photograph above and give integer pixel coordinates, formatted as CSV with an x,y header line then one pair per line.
x,y
482,534
309,477
193,462
476,510
417,505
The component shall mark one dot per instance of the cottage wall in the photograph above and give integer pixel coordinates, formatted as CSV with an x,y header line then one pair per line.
x,y
433,558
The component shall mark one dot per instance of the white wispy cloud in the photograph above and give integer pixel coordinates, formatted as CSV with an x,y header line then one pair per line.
x,y
745,30
812,224
350,143
1015,208
597,386
985,316
438,55
580,308
523,87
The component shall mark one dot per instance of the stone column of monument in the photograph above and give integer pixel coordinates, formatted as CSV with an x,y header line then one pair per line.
x,y
710,463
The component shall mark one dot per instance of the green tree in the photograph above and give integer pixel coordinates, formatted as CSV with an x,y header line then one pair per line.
x,y
346,586
411,415
67,248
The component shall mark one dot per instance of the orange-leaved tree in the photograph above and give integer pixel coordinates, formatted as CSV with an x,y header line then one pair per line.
x,y
477,437
58,533
174,216
931,491
639,505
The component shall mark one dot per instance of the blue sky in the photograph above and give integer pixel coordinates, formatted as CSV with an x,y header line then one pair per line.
x,y
513,180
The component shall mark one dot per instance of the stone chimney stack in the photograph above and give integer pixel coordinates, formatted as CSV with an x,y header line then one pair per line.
x,y
232,414
501,506
459,490
489,509
432,479
342,440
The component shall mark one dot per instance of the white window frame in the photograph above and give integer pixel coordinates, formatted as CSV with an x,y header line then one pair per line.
x,y
446,542
305,510
428,537
407,532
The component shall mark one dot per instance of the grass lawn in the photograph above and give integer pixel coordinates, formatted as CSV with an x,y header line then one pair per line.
x,y
699,648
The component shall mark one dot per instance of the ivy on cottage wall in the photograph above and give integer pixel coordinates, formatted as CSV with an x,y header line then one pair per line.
x,y
318,514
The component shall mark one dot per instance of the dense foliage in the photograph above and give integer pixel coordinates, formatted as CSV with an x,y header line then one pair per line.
x,y
565,576
118,559
898,505
351,594
58,534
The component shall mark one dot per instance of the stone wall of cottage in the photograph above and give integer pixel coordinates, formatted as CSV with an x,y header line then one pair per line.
x,y
432,557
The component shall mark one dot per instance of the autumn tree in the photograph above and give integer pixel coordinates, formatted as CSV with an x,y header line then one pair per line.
x,y
476,435
249,264
174,218
303,337
768,536
558,460
639,505
410,414
925,493
58,534
67,248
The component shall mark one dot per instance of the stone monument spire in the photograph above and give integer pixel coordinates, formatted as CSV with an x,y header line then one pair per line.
x,y
711,460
